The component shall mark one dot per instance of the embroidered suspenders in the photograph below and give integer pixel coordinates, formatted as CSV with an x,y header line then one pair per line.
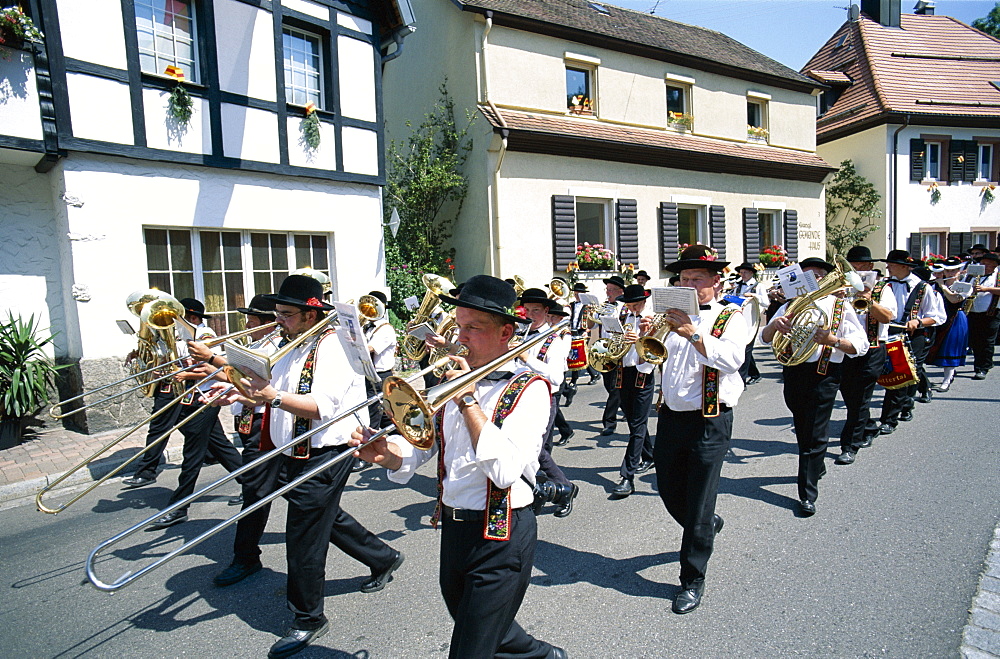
x,y
496,521
912,308
871,325
710,376
545,347
824,358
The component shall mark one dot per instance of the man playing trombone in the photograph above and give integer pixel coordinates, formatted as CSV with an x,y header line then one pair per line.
x,y
489,436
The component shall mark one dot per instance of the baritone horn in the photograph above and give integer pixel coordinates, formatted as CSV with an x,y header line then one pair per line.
x,y
436,286
370,309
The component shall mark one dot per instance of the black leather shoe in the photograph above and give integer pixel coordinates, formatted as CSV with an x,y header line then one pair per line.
x,y
753,380
623,489
718,523
886,429
687,600
608,431
236,501
845,458
906,416
594,378
359,465
235,573
563,439
565,501
924,397
941,388
807,508
296,640
867,441
133,482
569,397
378,581
170,519
644,466
558,653
979,376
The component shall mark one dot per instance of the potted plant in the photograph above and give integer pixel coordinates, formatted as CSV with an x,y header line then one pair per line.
x,y
26,375
594,257
773,256
16,28
757,133
680,120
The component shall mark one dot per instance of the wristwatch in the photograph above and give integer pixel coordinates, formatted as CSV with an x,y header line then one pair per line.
x,y
276,401
468,400
694,338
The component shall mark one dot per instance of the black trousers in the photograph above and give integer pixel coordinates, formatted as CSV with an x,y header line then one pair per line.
x,y
857,384
546,464
900,400
146,465
610,417
483,583
203,436
749,368
635,402
982,336
688,456
377,418
560,422
809,396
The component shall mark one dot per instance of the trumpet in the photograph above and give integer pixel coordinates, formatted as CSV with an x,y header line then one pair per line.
x,y
652,348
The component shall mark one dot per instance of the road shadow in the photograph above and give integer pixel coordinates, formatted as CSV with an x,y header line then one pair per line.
x,y
562,565
756,488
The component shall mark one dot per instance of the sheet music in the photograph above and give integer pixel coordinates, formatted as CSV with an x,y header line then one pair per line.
x,y
590,298
352,338
963,288
675,297
411,302
247,360
869,277
125,327
421,331
975,270
795,282
612,324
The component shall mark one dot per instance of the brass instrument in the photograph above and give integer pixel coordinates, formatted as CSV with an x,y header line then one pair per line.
x,y
448,329
652,348
560,291
604,354
519,285
370,309
436,286
971,300
798,345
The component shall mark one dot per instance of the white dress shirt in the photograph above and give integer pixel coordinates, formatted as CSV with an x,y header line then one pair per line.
x,y
631,358
932,306
202,333
683,370
382,338
744,288
553,366
503,454
850,329
982,301
886,299
335,387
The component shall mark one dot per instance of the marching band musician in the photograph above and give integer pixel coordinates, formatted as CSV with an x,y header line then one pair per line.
x,y
810,388
745,286
701,384
556,315
919,309
577,309
312,384
859,373
634,383
614,287
983,319
490,435
381,339
952,341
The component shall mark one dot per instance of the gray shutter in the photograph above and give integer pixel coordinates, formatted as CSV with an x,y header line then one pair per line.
x,y
627,216
917,149
669,233
717,230
958,242
956,160
563,230
913,245
751,235
792,235
971,160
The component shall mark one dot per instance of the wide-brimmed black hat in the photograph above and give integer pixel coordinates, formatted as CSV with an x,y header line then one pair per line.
x,y
301,291
556,309
643,273
697,256
259,306
816,262
457,290
952,263
193,306
533,295
923,273
633,293
980,247
746,265
859,254
580,287
901,257
381,296
490,295
616,280
991,256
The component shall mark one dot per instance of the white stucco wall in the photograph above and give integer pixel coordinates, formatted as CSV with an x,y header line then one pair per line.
x,y
164,132
249,133
100,108
356,60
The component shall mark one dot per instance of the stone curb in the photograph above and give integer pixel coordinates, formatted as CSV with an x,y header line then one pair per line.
x,y
981,637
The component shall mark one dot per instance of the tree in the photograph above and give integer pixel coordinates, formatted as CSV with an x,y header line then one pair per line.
x,y
990,24
426,186
851,209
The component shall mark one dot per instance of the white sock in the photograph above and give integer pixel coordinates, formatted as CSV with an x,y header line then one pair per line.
x,y
949,375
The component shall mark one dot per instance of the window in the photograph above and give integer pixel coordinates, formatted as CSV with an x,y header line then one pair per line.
x,y
224,269
930,243
982,237
678,107
579,91
166,32
826,99
303,64
690,229
757,120
932,160
592,222
985,172
769,228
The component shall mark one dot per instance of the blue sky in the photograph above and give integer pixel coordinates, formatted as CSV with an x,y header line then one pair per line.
x,y
789,31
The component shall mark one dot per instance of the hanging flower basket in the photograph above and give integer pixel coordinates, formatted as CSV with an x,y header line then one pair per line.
x,y
987,193
594,257
773,256
935,193
16,29
309,126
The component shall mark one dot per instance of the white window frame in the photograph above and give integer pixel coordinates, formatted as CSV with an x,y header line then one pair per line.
x,y
589,66
929,174
984,237
701,220
763,104
925,243
163,60
685,101
609,224
984,167
290,68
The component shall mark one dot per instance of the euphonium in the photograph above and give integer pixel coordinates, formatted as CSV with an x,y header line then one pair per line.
x,y
560,291
799,344
436,285
605,354
370,309
651,348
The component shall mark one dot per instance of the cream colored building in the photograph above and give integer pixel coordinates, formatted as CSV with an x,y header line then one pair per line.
x,y
733,166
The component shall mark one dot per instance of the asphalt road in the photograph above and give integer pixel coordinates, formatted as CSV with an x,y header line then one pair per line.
x,y
887,567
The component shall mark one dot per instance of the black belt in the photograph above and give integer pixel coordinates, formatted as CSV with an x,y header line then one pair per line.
x,y
464,515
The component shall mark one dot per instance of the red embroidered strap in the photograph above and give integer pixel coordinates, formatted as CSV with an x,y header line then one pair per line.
x,y
871,325
913,302
824,359
301,425
545,347
441,471
710,376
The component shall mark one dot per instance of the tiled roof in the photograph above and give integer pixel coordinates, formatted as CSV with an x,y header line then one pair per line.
x,y
829,77
624,29
587,138
933,66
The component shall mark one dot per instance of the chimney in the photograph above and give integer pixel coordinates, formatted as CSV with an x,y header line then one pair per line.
x,y
885,12
924,8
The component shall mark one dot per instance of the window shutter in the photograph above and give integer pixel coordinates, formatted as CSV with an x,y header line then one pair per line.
x,y
563,230
971,160
717,230
751,235
917,150
627,215
792,235
956,160
669,233
913,245
958,242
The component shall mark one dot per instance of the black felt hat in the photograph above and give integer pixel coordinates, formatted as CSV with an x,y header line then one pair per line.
x,y
901,257
981,247
259,306
816,262
952,263
633,293
490,295
697,256
381,296
616,280
533,295
746,265
643,273
193,306
580,287
990,256
859,254
301,291
455,292
556,309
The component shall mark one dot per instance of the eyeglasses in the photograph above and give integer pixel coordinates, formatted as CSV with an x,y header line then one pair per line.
x,y
281,315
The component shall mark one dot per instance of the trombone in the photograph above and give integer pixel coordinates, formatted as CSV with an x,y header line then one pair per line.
x,y
411,412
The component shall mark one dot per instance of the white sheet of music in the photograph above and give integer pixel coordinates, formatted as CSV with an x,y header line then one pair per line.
x,y
590,298
675,297
869,277
612,324
795,282
247,360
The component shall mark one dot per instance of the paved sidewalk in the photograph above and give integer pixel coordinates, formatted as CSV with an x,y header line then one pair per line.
x,y
981,638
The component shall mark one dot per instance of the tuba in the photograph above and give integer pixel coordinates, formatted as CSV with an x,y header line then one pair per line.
x,y
436,286
651,347
799,344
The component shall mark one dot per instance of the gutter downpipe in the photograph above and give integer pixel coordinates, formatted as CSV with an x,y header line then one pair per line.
x,y
398,37
494,214
894,184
